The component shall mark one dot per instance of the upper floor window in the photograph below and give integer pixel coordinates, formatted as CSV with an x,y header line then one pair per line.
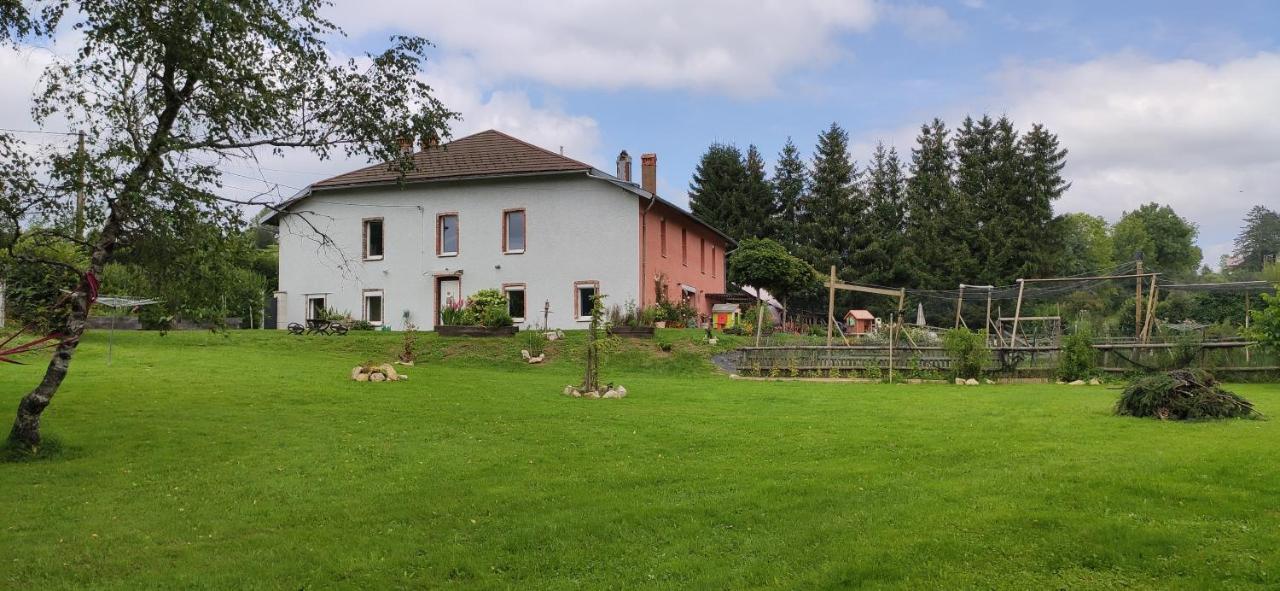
x,y
513,231
713,261
447,234
662,236
702,256
372,232
684,247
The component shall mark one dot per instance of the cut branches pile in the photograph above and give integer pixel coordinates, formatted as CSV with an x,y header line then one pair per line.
x,y
1182,394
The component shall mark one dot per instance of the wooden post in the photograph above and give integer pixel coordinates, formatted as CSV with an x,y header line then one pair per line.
x,y
891,326
959,305
1137,302
831,305
1151,308
987,326
1017,312
1246,327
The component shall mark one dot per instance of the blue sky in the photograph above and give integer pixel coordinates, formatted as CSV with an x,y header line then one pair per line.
x,y
1171,102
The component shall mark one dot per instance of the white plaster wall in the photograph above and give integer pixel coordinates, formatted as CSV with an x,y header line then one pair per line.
x,y
577,229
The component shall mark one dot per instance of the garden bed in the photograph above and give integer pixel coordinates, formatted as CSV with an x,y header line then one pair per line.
x,y
631,331
476,331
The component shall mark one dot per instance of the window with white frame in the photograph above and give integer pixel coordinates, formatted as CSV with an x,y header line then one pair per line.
x,y
515,301
584,293
317,306
447,234
373,306
373,239
513,231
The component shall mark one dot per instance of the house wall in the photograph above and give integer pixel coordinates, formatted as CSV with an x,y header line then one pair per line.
x,y
577,229
708,278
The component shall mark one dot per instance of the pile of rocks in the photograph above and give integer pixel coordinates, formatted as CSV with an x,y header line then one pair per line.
x,y
1092,382
531,358
610,391
376,373
971,382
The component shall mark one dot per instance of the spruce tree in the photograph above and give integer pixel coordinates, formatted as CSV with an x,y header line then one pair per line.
x,y
984,213
933,252
715,193
827,211
882,260
758,209
790,178
1043,161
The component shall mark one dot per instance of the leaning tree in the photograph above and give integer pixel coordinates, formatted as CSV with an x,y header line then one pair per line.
x,y
168,93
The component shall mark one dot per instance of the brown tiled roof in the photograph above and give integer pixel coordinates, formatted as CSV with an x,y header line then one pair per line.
x,y
488,153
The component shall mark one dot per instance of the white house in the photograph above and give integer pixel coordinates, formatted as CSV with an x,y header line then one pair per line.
x,y
488,211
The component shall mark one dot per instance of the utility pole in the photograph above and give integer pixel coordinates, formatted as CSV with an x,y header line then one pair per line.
x,y
80,159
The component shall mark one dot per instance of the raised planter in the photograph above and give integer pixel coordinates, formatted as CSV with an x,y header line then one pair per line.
x,y
631,331
475,331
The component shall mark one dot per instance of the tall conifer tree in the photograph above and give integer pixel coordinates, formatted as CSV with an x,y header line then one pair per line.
x,y
933,210
1043,161
882,260
715,193
827,210
758,208
790,179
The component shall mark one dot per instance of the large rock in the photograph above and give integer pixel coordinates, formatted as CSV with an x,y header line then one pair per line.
x,y
959,381
1095,382
362,377
389,371
611,394
971,382
538,359
377,376
622,392
1076,383
356,372
591,394
524,354
569,390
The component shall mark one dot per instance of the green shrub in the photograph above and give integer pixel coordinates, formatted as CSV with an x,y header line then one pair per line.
x,y
968,351
494,317
482,304
1181,394
361,325
1078,360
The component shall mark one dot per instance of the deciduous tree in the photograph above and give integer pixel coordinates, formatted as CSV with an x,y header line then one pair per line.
x,y
167,91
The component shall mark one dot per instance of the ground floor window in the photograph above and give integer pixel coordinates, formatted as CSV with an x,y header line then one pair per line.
x,y
373,307
515,301
584,293
316,307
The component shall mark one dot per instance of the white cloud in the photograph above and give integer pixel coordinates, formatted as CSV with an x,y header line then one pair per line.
x,y
1200,137
715,45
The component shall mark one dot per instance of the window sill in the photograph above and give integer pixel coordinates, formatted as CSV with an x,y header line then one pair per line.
x,y
521,251
446,254
582,319
376,258
517,319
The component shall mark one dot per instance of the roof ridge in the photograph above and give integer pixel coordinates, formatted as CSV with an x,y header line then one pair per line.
x,y
534,146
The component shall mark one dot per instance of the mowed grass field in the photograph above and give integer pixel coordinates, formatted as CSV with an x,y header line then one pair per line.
x,y
197,461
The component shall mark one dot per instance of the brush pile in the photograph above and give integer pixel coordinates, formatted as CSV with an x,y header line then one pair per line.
x,y
1182,394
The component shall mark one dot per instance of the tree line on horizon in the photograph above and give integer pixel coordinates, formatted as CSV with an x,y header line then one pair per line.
x,y
972,205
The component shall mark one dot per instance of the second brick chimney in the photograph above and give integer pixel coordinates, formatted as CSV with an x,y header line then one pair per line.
x,y
649,172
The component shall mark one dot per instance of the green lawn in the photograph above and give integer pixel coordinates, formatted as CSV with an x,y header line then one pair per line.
x,y
198,461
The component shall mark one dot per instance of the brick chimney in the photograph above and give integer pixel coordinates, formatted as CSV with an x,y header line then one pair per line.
x,y
406,144
624,166
649,172
431,140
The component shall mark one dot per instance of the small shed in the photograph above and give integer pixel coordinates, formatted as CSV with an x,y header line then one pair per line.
x,y
859,321
725,315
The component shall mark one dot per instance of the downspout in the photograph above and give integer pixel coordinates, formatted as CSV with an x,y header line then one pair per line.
x,y
644,244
